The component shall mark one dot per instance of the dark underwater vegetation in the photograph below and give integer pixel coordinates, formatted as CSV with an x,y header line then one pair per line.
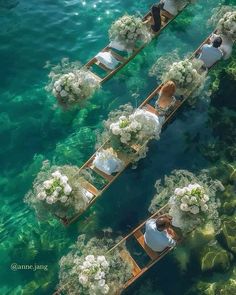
x,y
34,129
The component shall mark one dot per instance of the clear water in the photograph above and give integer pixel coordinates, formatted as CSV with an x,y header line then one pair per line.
x,y
33,129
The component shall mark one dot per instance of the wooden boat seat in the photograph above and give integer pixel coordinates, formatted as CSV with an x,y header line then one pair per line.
x,y
125,255
140,238
166,14
101,173
89,187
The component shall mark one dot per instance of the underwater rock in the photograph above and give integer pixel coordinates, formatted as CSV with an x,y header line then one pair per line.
x,y
229,232
215,258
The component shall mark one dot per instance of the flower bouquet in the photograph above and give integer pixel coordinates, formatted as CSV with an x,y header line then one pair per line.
x,y
227,24
59,191
71,84
128,30
89,268
187,76
191,199
127,127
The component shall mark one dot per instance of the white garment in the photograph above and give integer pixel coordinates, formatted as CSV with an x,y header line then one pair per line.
x,y
155,239
107,59
171,6
210,55
119,46
107,162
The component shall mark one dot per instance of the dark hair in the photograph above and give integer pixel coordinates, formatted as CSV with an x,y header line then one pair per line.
x,y
162,223
217,42
156,14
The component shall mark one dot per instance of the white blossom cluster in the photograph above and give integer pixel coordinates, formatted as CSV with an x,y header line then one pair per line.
x,y
55,189
227,24
139,126
128,30
192,198
92,274
186,75
75,86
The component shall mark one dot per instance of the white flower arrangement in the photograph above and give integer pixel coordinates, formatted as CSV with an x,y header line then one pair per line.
x,y
191,199
71,84
92,273
128,30
227,24
90,269
187,76
137,127
59,191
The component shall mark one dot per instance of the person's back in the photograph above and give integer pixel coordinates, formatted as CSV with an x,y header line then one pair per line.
x,y
155,239
210,53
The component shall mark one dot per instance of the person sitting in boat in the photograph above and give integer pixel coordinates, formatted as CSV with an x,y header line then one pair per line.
x,y
158,233
226,46
166,100
155,18
211,53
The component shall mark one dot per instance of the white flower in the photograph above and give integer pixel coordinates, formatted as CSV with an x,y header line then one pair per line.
x,y
87,264
67,189
204,208
194,210
90,258
179,192
63,199
50,200
184,207
47,184
101,258
42,195
105,264
63,179
63,93
56,174
83,279
206,198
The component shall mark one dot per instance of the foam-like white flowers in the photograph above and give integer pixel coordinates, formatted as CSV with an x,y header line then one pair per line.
x,y
139,126
191,198
55,189
227,24
75,86
92,273
128,30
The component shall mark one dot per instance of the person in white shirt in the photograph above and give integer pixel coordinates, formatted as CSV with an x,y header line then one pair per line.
x,y
211,53
156,235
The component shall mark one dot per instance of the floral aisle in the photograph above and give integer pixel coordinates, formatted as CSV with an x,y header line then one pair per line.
x,y
128,31
128,131
71,84
90,269
192,199
58,190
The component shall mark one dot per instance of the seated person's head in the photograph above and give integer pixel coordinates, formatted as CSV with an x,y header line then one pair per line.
x,y
162,223
217,42
168,89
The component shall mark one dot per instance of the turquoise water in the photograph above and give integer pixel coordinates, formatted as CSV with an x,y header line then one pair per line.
x,y
33,129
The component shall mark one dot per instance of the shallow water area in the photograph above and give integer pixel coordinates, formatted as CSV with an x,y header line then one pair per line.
x,y
33,129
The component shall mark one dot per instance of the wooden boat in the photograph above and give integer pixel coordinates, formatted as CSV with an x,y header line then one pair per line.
x,y
147,104
138,235
107,73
